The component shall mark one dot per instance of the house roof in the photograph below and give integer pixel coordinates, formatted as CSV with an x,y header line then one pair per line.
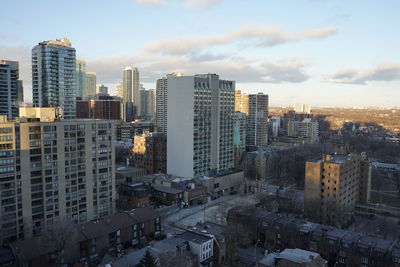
x,y
143,214
166,189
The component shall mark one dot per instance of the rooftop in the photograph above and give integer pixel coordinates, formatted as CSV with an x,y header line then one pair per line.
x,y
193,237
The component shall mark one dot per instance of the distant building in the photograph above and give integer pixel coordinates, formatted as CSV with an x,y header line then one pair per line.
x,y
332,187
102,89
149,152
80,78
131,87
129,111
304,129
302,108
239,135
9,88
20,91
90,84
147,103
126,131
241,102
257,122
54,76
275,122
119,91
101,107
255,106
200,125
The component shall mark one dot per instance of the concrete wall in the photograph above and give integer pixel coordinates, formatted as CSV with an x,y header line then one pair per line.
x,y
180,126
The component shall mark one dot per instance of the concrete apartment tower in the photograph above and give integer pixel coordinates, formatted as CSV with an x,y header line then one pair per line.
x,y
9,88
257,122
162,102
333,185
255,106
200,125
80,78
91,83
57,171
304,129
54,76
147,103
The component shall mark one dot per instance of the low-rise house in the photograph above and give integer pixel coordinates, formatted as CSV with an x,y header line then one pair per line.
x,y
293,258
131,196
340,247
90,241
166,195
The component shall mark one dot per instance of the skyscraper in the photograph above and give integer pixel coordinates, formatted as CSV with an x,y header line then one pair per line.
x,y
147,103
102,89
90,89
255,106
161,108
9,88
54,76
257,123
20,91
56,171
80,78
162,102
131,86
119,91
200,125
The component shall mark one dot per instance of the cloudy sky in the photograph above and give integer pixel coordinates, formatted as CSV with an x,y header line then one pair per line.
x,y
322,52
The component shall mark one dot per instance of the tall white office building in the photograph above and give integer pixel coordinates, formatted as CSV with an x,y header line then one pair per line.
x,y
200,125
54,76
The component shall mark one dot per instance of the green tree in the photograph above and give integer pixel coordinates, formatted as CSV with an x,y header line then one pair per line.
x,y
148,260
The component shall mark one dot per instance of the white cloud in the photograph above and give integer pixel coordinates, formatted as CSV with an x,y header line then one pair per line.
x,y
151,67
257,35
387,71
201,4
151,2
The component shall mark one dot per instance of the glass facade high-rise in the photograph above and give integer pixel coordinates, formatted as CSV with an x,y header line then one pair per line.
x,y
131,87
54,76
91,83
80,77
9,88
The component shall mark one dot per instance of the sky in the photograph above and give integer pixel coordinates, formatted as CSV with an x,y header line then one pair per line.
x,y
323,52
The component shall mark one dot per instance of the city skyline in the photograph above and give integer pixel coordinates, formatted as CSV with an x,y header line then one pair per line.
x,y
296,52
